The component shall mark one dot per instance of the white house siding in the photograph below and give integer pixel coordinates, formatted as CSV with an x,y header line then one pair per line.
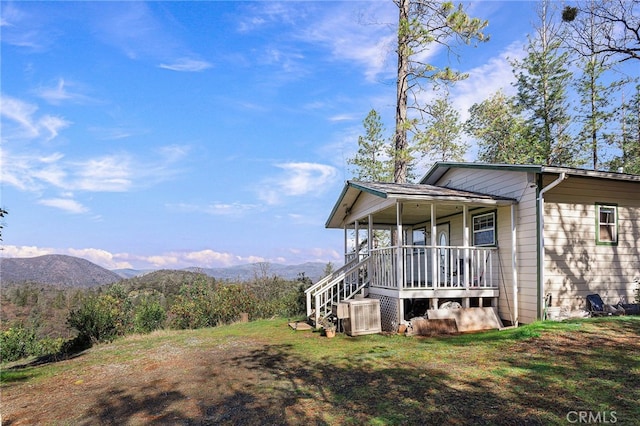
x,y
575,265
520,186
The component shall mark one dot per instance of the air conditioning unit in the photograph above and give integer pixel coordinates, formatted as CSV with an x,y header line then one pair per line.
x,y
361,316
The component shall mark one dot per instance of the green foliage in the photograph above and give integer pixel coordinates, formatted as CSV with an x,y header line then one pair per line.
x,y
374,160
102,318
499,129
17,342
542,82
193,308
440,138
229,301
149,316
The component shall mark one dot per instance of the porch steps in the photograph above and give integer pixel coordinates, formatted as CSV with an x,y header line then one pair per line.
x,y
300,326
469,319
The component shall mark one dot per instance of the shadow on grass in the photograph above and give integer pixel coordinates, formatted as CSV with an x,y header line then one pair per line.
x,y
22,371
533,381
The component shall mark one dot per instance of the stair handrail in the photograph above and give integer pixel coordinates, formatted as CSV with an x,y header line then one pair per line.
x,y
312,290
336,278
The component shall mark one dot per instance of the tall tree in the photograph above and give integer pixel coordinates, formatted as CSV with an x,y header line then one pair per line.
x,y
440,139
542,81
629,141
500,130
424,25
620,21
594,89
373,162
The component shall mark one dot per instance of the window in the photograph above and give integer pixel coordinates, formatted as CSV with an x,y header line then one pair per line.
x,y
420,237
484,229
607,224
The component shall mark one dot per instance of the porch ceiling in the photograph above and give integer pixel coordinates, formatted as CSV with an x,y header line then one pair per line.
x,y
416,199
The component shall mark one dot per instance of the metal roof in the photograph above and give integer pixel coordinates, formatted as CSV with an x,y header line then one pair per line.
x,y
439,169
408,192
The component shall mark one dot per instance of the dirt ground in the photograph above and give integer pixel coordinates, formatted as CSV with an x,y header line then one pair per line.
x,y
243,381
170,384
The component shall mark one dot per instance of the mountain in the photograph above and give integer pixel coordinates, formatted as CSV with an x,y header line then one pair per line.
x,y
55,269
313,270
246,272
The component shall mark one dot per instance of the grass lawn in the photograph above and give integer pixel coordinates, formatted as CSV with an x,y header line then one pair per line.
x,y
265,373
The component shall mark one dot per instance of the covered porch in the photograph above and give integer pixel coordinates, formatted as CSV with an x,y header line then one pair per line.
x,y
417,246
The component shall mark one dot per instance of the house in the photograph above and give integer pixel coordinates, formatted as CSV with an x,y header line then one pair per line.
x,y
515,238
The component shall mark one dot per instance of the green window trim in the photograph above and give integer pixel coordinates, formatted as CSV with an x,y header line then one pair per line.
x,y
606,224
482,226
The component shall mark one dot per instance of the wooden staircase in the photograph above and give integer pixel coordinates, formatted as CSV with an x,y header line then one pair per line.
x,y
343,284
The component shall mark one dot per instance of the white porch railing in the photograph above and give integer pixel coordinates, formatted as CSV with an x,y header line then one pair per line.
x,y
455,267
343,284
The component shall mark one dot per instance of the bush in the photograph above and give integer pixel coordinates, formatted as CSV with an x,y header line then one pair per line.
x,y
193,307
101,318
229,301
17,342
150,316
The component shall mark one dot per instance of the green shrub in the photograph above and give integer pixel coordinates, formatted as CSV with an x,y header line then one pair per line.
x,y
17,342
150,316
229,301
193,307
102,318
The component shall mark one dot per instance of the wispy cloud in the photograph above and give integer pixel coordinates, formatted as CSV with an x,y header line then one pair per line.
x,y
25,123
67,204
106,173
61,92
215,209
142,34
296,179
187,65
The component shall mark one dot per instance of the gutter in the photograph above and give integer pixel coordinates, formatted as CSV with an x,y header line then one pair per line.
x,y
563,176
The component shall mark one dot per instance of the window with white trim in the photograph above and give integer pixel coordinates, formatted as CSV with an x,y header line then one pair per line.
x,y
484,229
607,224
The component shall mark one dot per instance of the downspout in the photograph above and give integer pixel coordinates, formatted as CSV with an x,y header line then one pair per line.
x,y
541,297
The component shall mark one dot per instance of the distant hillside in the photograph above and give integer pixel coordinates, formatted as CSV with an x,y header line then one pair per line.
x,y
313,270
55,269
247,272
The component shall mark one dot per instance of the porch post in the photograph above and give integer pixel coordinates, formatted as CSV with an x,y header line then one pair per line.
x,y
514,264
434,256
466,241
346,244
357,228
400,239
370,234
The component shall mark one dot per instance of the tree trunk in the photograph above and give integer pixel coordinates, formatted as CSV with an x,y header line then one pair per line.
x,y
401,159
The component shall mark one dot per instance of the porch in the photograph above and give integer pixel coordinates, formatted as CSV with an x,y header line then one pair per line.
x,y
415,244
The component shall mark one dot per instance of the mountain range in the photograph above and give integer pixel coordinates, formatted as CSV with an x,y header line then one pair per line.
x,y
55,269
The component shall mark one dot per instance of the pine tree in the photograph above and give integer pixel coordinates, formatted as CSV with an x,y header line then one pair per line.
x,y
542,81
440,139
373,161
501,132
422,25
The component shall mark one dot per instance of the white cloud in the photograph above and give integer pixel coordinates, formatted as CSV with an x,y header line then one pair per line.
x,y
60,93
216,209
298,179
27,125
487,79
24,251
33,171
187,65
206,258
66,204
100,257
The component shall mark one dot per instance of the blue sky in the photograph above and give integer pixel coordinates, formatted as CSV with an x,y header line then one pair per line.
x,y
176,134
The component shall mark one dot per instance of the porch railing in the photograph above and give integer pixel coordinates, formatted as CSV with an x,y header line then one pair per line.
x,y
434,267
342,284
